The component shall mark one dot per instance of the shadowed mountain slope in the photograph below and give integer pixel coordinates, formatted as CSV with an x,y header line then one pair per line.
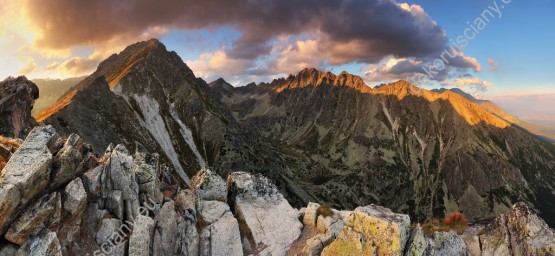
x,y
424,152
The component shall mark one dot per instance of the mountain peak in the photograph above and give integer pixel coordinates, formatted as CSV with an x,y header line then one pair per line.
x,y
400,88
314,77
220,84
118,65
460,92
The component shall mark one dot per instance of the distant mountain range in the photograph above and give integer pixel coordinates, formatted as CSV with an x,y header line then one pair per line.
x,y
50,90
319,136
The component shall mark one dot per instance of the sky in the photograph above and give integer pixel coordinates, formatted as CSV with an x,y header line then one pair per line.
x,y
497,49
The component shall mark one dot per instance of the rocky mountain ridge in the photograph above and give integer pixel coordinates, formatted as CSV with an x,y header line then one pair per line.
x,y
146,97
438,152
319,137
67,201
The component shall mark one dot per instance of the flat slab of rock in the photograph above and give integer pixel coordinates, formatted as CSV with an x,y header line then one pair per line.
x,y
28,168
272,223
38,216
225,238
211,211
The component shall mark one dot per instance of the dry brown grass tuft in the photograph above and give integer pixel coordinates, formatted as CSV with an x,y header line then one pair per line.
x,y
11,142
455,221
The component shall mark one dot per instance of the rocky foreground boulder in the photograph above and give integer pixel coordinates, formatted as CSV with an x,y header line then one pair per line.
x,y
17,96
58,198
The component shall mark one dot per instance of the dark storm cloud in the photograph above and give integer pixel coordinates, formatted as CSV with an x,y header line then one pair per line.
x,y
350,30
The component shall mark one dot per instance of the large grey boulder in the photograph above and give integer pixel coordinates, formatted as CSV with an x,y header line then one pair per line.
x,y
27,174
75,197
260,208
518,232
371,229
147,171
118,175
224,237
92,183
187,239
211,211
141,238
110,236
209,186
166,230
8,249
68,160
29,167
10,197
447,243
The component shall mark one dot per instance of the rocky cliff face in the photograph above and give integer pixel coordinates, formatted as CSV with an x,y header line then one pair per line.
x,y
17,96
58,198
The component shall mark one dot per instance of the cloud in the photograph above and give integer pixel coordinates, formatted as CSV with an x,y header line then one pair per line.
x,y
458,60
393,69
356,30
213,65
471,81
493,65
28,68
75,66
453,65
296,56
275,37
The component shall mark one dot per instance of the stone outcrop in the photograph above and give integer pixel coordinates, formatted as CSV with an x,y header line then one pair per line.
x,y
124,203
372,229
269,224
140,241
27,173
519,232
17,96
